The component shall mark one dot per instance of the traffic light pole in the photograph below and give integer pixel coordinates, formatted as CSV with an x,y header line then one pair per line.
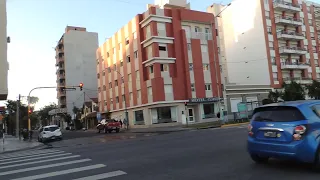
x,y
29,108
18,118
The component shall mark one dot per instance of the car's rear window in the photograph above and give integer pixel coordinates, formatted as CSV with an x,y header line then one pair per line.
x,y
277,114
52,128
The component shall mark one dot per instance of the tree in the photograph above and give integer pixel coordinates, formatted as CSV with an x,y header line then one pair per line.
x,y
44,112
314,89
274,96
293,91
33,99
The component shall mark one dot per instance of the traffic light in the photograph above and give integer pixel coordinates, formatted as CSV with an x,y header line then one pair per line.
x,y
30,111
81,85
185,104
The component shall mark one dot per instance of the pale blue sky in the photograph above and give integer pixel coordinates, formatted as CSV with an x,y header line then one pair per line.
x,y
35,26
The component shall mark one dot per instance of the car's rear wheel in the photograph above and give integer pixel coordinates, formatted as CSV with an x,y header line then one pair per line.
x,y
258,159
117,130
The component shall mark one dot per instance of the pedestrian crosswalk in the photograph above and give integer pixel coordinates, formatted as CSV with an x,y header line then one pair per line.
x,y
53,164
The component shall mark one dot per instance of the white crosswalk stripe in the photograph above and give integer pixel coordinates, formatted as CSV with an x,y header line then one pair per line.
x,y
53,164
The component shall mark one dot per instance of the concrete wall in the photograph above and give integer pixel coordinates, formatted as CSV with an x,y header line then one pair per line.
x,y
245,45
4,66
80,65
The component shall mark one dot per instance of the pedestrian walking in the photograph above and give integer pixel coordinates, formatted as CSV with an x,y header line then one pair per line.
x,y
120,123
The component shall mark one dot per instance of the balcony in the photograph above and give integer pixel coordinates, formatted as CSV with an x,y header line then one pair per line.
x,y
61,76
62,101
294,65
290,35
61,94
292,50
300,80
201,36
288,21
281,5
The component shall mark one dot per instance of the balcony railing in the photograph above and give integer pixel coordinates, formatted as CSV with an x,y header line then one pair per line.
x,y
290,35
286,6
292,50
317,12
288,21
300,80
294,65
201,35
61,76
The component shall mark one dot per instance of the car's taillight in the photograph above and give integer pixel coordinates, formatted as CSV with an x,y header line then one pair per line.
x,y
299,131
250,130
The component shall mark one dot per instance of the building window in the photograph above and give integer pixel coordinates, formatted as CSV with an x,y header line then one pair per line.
x,y
137,75
104,88
117,99
207,87
110,85
97,61
164,115
193,88
189,46
115,82
135,35
164,67
130,96
99,89
98,76
111,101
136,54
190,66
206,67
105,103
109,69
150,91
108,54
168,89
162,48
197,29
208,110
128,59
138,93
129,77
103,73
121,63
150,69
114,50
123,97
127,41
139,119
115,66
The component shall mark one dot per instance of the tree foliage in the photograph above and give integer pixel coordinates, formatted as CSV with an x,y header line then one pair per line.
x,y
274,96
44,112
314,89
33,99
293,92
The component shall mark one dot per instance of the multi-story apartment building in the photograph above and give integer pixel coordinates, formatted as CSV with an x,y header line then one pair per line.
x,y
4,66
162,66
75,62
271,42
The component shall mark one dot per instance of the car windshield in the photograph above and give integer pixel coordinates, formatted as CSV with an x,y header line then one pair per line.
x,y
52,129
277,114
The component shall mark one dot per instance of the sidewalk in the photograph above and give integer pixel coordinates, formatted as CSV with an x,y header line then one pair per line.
x,y
12,143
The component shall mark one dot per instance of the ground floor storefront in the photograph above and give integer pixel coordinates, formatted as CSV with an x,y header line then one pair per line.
x,y
169,113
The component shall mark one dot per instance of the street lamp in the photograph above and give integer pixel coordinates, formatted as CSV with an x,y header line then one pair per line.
x,y
125,98
215,66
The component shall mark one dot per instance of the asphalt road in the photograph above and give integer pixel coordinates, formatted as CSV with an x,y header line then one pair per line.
x,y
202,154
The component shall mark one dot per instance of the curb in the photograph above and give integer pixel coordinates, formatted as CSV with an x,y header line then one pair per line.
x,y
209,127
22,149
237,124
166,131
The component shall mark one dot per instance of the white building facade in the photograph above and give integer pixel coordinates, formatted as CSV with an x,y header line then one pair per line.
x,y
76,63
4,65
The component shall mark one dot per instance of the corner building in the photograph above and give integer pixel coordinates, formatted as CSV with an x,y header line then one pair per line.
x,y
166,57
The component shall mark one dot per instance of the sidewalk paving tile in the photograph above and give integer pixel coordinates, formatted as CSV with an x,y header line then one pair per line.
x,y
11,143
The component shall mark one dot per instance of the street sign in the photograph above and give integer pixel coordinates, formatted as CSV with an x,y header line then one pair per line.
x,y
99,117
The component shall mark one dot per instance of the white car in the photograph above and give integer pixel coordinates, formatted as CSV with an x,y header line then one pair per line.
x,y
51,132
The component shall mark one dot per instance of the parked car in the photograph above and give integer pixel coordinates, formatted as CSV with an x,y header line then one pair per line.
x,y
286,130
51,132
109,125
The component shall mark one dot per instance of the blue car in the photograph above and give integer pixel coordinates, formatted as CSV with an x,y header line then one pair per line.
x,y
286,130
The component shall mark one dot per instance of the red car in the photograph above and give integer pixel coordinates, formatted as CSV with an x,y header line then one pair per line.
x,y
109,125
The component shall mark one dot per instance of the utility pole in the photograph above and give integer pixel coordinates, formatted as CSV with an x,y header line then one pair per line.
x,y
18,117
84,109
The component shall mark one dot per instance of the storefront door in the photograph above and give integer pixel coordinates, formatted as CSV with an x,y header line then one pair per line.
x,y
191,114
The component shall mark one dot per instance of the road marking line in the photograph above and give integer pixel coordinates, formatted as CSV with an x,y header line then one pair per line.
x,y
26,153
35,162
42,167
103,176
34,158
34,155
57,173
